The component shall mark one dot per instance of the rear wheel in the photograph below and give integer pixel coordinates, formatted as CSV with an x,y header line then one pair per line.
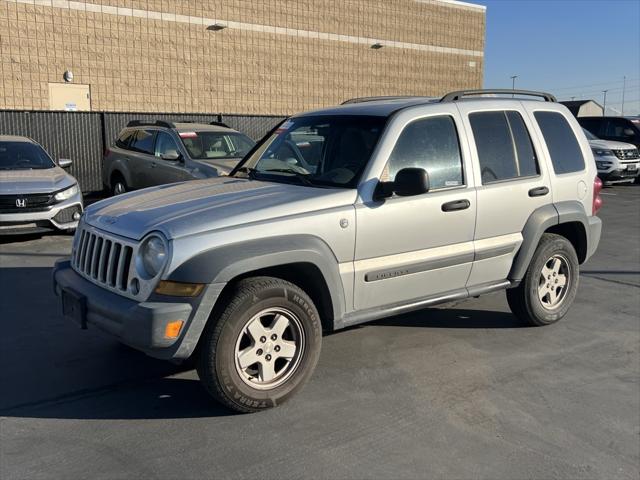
x,y
549,287
263,347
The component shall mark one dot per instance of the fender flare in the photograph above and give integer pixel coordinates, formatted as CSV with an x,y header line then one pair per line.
x,y
224,263
538,222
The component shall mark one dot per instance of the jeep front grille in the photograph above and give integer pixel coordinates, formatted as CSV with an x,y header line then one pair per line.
x,y
630,154
103,259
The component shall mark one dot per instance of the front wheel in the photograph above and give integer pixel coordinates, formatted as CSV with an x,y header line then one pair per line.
x,y
550,285
263,347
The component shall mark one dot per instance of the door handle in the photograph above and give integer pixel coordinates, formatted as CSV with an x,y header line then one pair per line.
x,y
456,205
538,191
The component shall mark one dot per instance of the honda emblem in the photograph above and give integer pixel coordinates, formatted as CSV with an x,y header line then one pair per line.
x,y
21,202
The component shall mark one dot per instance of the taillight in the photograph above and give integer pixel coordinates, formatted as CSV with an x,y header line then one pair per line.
x,y
597,199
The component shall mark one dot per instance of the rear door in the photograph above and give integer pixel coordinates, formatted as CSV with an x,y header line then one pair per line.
x,y
141,156
512,183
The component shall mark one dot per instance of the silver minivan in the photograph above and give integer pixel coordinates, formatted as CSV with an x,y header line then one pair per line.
x,y
155,153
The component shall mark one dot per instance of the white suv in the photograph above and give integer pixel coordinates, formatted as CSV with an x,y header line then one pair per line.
x,y
337,217
616,161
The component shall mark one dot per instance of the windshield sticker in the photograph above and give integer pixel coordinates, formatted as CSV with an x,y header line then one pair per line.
x,y
284,127
451,183
188,134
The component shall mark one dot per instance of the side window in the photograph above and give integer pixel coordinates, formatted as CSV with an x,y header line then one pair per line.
x,y
504,146
165,144
143,141
563,146
430,143
124,139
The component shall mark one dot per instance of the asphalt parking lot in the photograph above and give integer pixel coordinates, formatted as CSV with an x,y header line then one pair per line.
x,y
461,392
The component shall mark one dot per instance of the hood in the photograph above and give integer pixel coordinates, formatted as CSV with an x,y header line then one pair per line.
x,y
34,181
611,145
202,205
223,166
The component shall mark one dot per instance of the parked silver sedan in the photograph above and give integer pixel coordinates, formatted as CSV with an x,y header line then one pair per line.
x,y
36,194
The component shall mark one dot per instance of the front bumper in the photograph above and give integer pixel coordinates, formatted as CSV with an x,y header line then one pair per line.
x,y
140,325
617,170
57,217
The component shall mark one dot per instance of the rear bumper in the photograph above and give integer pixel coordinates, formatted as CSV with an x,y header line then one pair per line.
x,y
140,325
595,230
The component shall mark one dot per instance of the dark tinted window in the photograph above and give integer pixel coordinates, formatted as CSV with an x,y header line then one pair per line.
x,y
142,141
432,144
504,147
23,156
563,146
592,124
124,138
616,127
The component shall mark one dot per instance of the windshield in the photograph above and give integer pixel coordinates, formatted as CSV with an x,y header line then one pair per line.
x,y
589,135
23,156
319,150
216,145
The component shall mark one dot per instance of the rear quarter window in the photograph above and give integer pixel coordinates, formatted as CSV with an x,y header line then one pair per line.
x,y
563,146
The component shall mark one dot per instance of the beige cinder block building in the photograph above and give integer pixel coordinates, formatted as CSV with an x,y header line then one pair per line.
x,y
234,56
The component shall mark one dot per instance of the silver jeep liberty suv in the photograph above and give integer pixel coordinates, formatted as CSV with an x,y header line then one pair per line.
x,y
337,217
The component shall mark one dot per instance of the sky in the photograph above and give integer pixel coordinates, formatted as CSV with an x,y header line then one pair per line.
x,y
571,48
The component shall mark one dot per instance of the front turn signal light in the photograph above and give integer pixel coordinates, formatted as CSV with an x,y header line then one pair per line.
x,y
179,289
172,330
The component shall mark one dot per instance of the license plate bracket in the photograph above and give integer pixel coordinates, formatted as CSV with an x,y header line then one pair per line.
x,y
74,307
632,168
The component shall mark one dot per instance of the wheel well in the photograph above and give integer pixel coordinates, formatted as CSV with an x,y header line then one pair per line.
x,y
306,276
576,234
116,175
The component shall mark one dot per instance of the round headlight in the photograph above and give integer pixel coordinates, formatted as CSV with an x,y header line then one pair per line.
x,y
152,255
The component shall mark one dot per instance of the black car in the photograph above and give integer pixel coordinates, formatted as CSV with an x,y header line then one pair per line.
x,y
619,129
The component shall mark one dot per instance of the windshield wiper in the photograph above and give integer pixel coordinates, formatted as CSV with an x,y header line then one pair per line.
x,y
300,176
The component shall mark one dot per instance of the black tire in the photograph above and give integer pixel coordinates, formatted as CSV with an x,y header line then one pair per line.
x,y
217,364
524,300
118,181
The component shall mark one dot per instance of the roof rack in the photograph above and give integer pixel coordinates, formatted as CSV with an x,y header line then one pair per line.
x,y
374,99
219,124
157,123
454,96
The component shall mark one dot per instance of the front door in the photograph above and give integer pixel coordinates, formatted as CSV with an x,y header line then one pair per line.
x,y
411,248
166,171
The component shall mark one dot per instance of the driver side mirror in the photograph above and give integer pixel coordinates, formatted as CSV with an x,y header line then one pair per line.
x,y
65,162
408,182
411,181
171,156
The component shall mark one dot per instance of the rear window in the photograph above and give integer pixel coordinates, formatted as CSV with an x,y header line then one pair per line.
x,y
566,155
504,146
143,141
124,139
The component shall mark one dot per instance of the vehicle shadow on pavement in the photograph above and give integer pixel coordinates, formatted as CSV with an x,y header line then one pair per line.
x,y
52,369
453,317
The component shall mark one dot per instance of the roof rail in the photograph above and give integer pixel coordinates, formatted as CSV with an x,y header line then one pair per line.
x,y
454,96
373,99
157,123
219,124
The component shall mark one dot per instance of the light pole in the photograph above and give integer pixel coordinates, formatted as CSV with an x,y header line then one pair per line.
x,y
604,107
624,86
513,83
